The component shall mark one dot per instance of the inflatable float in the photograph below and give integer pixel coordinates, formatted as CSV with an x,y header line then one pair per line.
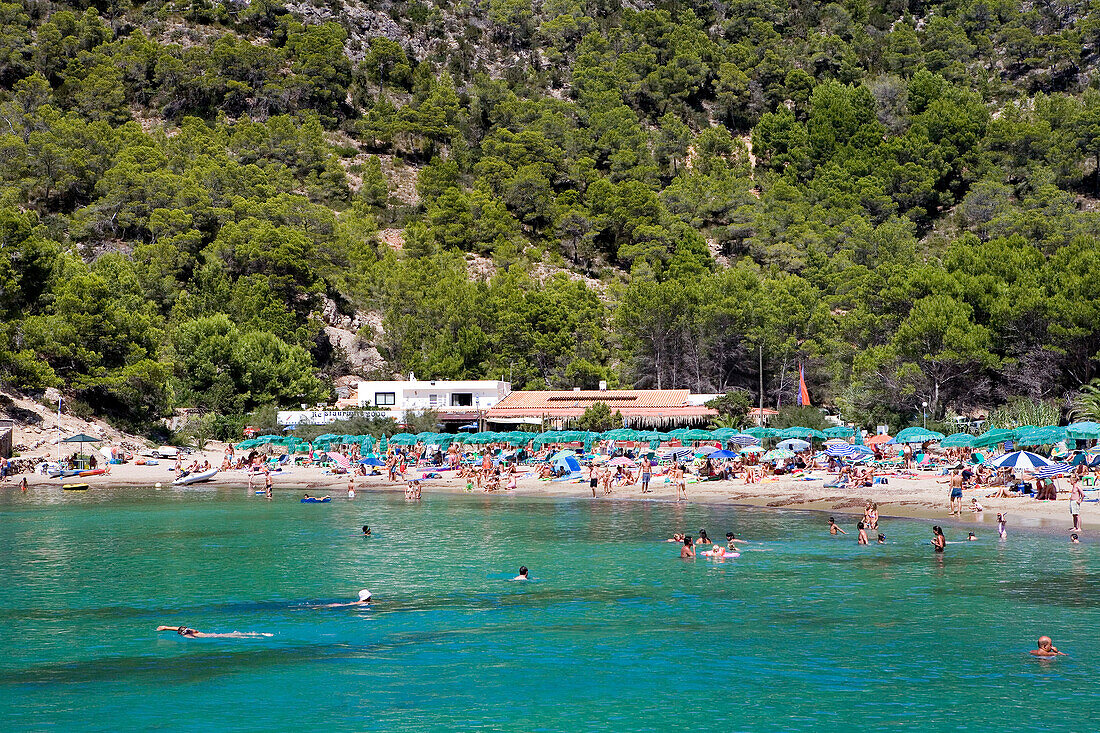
x,y
316,500
75,487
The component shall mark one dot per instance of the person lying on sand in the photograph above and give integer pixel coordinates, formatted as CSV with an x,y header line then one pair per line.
x,y
190,633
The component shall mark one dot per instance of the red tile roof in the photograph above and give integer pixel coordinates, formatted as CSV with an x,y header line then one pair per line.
x,y
670,403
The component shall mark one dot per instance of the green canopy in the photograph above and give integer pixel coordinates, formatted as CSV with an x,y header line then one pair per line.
x,y
693,435
81,438
761,433
404,439
917,435
839,431
1048,435
800,432
1083,430
992,437
958,440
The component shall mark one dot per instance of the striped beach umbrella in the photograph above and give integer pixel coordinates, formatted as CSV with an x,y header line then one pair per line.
x,y
1054,469
1021,460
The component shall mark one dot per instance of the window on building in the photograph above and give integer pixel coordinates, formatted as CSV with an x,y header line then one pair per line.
x,y
462,399
433,399
385,398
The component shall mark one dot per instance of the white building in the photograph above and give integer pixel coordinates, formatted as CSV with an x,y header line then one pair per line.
x,y
457,402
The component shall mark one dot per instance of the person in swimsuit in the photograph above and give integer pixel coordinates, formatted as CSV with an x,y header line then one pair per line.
x,y
680,481
646,475
23,485
189,633
688,549
267,484
881,538
1076,496
703,538
970,537
365,598
862,539
955,502
1002,520
1046,648
366,530
938,540
522,573
834,528
1073,539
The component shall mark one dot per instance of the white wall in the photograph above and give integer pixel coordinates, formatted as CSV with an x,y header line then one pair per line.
x,y
418,395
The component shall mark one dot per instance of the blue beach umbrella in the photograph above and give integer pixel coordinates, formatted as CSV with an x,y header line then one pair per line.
x,y
1054,469
724,454
1021,460
795,444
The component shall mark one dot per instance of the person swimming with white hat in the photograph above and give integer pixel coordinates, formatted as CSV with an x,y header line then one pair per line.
x,y
364,600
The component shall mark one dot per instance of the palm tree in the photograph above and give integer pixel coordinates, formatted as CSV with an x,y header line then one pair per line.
x,y
1086,403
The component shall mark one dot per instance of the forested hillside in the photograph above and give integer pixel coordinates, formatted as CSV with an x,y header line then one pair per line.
x,y
900,195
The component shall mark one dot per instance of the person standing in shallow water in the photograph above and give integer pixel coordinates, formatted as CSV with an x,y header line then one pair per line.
x,y
938,540
1076,496
862,540
688,550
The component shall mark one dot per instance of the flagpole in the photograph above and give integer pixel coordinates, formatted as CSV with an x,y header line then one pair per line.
x,y
59,400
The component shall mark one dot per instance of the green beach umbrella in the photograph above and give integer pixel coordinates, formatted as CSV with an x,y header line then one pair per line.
x,y
81,438
917,435
839,431
1087,430
958,440
1048,435
778,454
762,433
694,435
800,432
992,437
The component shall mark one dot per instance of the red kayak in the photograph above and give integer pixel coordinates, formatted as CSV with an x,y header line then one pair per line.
x,y
93,472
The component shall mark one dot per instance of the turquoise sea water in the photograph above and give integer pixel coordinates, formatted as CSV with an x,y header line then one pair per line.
x,y
803,632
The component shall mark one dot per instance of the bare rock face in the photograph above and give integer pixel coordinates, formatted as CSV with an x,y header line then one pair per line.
x,y
362,23
332,316
362,356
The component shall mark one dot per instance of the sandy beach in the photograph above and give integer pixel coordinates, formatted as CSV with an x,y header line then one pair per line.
x,y
923,497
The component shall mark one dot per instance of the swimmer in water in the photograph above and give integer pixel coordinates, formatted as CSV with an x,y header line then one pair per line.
x,y
703,539
688,549
365,598
676,538
1073,540
366,530
970,537
189,633
1002,520
522,573
938,541
881,538
834,528
862,540
1046,648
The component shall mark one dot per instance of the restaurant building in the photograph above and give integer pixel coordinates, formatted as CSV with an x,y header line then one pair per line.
x,y
658,409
